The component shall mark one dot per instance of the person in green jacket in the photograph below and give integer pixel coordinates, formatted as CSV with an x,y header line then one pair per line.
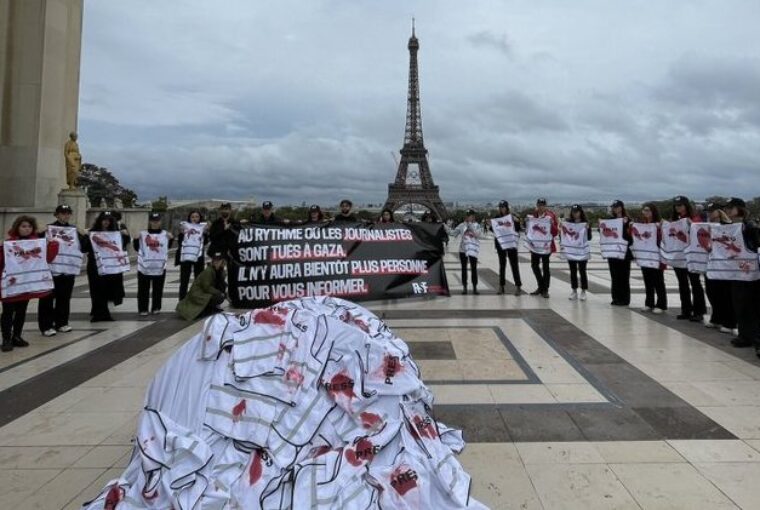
x,y
207,292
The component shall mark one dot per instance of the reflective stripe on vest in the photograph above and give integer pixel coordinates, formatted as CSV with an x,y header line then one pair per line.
x,y
504,232
729,257
110,257
26,269
153,253
538,237
574,241
611,241
69,258
192,241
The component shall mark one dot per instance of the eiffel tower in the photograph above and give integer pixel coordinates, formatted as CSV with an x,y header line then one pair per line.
x,y
414,183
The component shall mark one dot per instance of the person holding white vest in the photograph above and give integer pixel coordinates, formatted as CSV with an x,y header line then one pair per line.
x,y
718,291
620,268
106,284
745,283
693,306
540,230
189,256
575,235
24,264
647,237
152,249
506,230
469,248
53,310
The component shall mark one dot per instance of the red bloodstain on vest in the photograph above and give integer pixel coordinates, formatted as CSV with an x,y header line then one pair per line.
x,y
256,469
403,480
341,384
369,420
153,243
363,451
425,427
238,411
391,367
273,316
114,496
703,238
294,375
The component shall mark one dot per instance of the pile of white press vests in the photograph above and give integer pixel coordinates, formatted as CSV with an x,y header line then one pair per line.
x,y
312,404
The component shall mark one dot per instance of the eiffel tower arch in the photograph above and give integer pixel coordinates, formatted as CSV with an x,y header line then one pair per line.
x,y
414,182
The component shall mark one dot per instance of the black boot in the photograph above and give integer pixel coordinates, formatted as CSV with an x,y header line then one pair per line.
x,y
501,289
7,344
464,290
19,342
475,290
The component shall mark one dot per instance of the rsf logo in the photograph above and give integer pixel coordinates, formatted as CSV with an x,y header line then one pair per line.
x,y
420,288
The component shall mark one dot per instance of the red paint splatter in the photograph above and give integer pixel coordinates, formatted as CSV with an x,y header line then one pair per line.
x,y
294,375
341,384
257,467
113,498
638,235
729,244
391,367
540,229
350,319
608,232
703,238
208,337
572,234
403,479
281,350
153,243
370,420
363,451
678,234
425,426
273,316
105,243
20,253
238,411
319,450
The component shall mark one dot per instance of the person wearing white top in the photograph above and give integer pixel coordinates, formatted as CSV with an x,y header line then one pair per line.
x,y
469,247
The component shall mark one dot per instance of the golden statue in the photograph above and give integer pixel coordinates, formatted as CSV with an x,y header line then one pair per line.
x,y
73,159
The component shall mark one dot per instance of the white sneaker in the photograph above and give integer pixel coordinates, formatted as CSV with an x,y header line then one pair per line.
x,y
710,325
583,295
143,314
65,329
735,332
647,309
657,311
726,330
49,332
573,296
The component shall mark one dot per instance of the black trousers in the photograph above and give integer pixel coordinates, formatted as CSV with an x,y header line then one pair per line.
x,y
746,300
12,319
654,284
144,284
578,266
184,275
719,295
540,266
692,294
463,259
53,310
513,264
620,274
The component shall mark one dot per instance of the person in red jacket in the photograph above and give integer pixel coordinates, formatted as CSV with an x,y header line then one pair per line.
x,y
693,306
541,261
14,308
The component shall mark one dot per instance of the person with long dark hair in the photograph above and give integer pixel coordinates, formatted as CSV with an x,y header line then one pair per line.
x,y
315,215
469,248
620,269
386,216
646,249
509,253
719,291
152,247
577,251
690,289
104,288
19,285
189,255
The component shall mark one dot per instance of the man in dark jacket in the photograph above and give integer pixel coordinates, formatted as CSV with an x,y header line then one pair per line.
x,y
222,231
267,215
345,216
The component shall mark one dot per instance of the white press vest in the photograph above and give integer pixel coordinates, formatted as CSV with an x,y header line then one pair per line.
x,y
644,248
192,241
698,250
69,258
729,257
504,232
675,239
153,253
574,241
110,258
538,237
611,241
26,269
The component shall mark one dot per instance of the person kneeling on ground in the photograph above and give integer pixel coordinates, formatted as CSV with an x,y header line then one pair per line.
x,y
207,293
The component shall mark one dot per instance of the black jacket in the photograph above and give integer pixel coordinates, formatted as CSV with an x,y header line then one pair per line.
x,y
340,218
221,240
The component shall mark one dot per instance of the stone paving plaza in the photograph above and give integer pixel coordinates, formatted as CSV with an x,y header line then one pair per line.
x,y
564,404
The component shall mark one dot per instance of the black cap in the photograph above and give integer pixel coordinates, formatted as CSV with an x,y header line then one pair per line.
x,y
576,207
217,255
154,216
680,200
225,205
107,214
314,208
470,212
63,208
541,201
736,202
617,203
346,201
713,206
504,204
266,205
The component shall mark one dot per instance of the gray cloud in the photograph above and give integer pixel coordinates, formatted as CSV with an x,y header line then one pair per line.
x,y
488,39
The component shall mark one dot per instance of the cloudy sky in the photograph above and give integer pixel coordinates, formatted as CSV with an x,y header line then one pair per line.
x,y
305,100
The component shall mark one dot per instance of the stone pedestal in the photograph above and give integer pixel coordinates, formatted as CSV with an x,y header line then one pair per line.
x,y
77,199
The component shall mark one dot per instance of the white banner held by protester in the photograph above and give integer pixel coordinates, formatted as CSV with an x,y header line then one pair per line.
x,y
573,238
729,257
675,240
538,237
69,258
698,250
153,254
192,241
644,248
504,231
611,241
110,257
26,269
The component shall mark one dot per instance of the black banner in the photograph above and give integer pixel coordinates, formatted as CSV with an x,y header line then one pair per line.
x,y
353,261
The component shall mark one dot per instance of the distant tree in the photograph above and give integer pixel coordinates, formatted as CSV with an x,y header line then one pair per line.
x,y
161,204
101,184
